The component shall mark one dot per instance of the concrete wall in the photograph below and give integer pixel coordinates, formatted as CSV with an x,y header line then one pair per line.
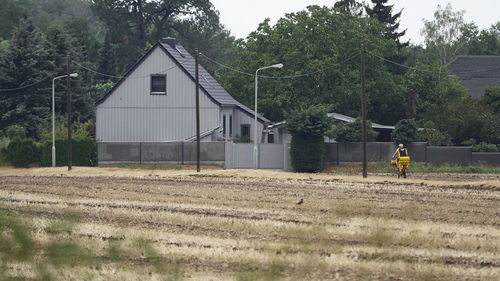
x,y
449,154
277,156
160,152
271,156
119,152
483,158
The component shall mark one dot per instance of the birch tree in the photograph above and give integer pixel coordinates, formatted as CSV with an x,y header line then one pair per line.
x,y
444,32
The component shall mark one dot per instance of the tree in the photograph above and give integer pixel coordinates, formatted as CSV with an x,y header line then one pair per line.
x,y
433,91
352,132
133,23
491,98
319,48
349,6
442,33
25,62
486,42
308,128
383,13
405,132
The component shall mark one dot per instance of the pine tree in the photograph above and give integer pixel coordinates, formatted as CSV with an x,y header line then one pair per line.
x,y
384,15
25,62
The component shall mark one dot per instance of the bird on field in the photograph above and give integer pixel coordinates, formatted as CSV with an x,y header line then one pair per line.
x,y
300,201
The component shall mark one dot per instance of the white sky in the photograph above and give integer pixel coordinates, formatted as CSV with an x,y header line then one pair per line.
x,y
244,16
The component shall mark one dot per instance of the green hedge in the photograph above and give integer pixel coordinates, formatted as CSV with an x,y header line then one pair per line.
x,y
84,152
308,154
20,152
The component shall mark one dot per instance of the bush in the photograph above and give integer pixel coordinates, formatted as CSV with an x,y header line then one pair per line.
x,y
308,154
308,147
405,132
433,136
13,131
353,132
84,152
20,152
481,147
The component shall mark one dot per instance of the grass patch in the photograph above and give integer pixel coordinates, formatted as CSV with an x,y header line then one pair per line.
x,y
250,272
415,167
65,225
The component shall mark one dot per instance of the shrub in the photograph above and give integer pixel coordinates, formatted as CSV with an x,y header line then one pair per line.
x,y
307,147
433,136
20,152
84,152
481,147
308,154
405,132
353,132
13,131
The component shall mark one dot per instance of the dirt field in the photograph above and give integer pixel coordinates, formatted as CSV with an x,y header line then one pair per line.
x,y
247,225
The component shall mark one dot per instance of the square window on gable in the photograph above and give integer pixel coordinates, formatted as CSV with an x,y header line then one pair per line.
x,y
158,84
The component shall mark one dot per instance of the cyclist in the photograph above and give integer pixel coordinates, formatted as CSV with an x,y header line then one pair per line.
x,y
400,151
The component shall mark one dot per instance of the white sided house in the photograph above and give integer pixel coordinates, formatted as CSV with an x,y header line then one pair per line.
x,y
155,102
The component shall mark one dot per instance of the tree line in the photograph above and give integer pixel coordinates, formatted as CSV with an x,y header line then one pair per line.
x,y
319,47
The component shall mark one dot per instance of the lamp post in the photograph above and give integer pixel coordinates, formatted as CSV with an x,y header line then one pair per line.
x,y
53,116
255,152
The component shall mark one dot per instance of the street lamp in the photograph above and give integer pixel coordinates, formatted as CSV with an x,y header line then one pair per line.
x,y
53,116
255,152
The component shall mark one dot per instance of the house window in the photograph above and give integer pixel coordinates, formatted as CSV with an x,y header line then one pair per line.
x,y
230,125
270,138
223,125
158,84
245,130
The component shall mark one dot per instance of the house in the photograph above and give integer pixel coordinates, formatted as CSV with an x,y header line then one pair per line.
x,y
476,72
155,102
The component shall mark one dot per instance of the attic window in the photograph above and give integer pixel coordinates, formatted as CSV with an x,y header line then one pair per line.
x,y
158,84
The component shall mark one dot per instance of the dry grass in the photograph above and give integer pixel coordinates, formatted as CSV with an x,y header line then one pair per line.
x,y
116,224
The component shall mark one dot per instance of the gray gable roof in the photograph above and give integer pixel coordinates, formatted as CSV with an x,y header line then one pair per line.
x,y
476,72
187,63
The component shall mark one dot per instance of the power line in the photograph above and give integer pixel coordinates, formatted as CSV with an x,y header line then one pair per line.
x,y
280,77
431,71
24,87
405,66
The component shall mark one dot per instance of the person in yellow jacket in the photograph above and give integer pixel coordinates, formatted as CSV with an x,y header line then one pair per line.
x,y
400,151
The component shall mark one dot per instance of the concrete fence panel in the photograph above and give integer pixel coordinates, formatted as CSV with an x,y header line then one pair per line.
x,y
449,154
271,156
332,153
386,151
210,152
417,151
243,157
350,152
116,152
486,158
161,152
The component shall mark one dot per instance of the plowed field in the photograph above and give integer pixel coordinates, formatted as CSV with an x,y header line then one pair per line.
x,y
247,225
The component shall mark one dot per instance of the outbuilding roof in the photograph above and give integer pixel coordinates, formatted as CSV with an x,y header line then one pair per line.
x,y
345,118
186,62
476,72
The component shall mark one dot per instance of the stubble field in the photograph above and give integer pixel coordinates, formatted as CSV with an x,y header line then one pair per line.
x,y
116,224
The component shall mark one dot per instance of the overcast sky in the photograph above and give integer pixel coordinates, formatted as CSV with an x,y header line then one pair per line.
x,y
243,16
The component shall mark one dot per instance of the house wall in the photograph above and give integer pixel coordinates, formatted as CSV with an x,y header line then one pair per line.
x,y
242,117
132,114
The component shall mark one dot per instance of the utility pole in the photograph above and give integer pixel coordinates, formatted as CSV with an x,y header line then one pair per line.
x,y
197,112
68,83
363,107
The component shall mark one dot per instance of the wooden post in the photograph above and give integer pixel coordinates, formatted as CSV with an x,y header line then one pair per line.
x,y
68,83
363,107
197,113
